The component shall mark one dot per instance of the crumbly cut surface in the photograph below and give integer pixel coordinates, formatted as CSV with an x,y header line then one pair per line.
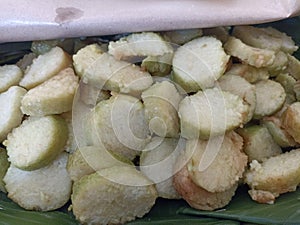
x,y
71,144
241,87
198,197
44,189
86,57
157,163
221,158
268,38
199,63
287,43
276,175
250,73
44,67
54,96
211,113
111,74
161,103
36,142
102,197
270,97
256,57
9,75
11,115
258,143
139,44
119,124
86,160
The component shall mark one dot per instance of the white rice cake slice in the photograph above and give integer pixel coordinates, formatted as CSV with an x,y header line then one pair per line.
x,y
253,56
270,97
274,176
44,67
267,38
36,142
139,44
10,75
113,195
211,113
44,189
54,96
199,63
11,114
161,103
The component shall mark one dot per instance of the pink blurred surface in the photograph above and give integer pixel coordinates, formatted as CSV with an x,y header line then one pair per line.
x,y
22,20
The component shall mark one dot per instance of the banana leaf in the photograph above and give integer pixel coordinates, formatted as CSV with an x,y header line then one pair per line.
x,y
242,208
165,212
12,214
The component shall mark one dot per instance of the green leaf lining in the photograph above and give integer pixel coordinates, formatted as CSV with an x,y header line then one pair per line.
x,y
165,212
286,210
12,214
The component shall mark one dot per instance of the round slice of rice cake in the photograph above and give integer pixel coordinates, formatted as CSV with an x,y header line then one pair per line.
x,y
199,63
86,160
161,103
44,189
198,197
220,157
44,67
11,114
250,73
279,134
157,163
241,87
258,143
54,96
85,57
291,120
108,73
265,37
270,97
250,55
113,195
9,75
119,125
210,113
274,176
37,142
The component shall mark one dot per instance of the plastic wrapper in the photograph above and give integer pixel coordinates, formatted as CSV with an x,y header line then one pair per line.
x,y
22,20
